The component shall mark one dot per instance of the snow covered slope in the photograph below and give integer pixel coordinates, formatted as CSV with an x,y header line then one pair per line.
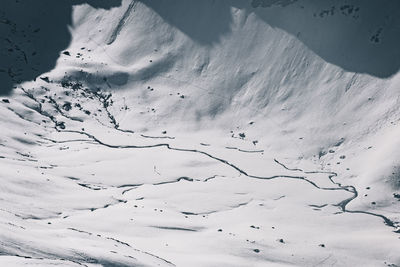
x,y
207,133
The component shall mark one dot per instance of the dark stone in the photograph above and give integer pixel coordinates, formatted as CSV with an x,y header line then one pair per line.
x,y
67,106
61,124
46,79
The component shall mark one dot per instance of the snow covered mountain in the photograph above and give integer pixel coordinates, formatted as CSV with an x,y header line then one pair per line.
x,y
200,133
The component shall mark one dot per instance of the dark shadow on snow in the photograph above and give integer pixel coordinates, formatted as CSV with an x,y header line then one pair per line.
x,y
32,35
205,21
360,36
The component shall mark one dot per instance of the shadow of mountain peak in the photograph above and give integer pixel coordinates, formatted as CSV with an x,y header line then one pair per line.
x,y
205,21
32,35
358,36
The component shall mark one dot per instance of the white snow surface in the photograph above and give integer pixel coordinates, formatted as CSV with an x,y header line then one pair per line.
x,y
205,133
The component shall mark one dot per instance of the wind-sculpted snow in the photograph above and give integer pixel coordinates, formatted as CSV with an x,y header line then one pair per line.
x,y
151,145
110,191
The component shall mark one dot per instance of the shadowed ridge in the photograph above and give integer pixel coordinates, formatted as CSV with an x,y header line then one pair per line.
x,y
358,36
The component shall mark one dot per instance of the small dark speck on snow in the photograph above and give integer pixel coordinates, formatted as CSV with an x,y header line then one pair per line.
x,y
61,125
46,79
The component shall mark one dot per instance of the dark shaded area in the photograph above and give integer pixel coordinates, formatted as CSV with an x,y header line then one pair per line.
x,y
205,21
360,36
33,33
